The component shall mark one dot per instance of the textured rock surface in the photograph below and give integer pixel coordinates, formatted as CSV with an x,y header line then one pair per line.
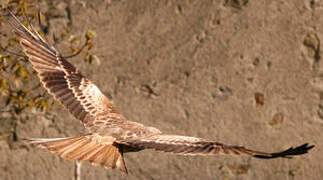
x,y
192,68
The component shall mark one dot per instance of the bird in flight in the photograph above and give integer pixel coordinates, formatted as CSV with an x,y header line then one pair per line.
x,y
110,134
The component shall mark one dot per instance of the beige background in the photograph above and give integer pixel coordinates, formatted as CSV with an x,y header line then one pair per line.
x,y
204,61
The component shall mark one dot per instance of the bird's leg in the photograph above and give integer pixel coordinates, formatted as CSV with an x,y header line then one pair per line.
x,y
77,172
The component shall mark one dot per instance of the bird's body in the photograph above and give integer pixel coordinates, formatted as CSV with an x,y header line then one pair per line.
x,y
110,134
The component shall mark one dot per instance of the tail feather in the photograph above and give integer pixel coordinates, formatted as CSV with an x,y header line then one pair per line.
x,y
83,153
84,148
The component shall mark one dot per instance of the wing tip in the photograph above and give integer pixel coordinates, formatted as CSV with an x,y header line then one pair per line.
x,y
289,153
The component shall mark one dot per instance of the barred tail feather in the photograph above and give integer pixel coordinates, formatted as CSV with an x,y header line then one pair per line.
x,y
83,148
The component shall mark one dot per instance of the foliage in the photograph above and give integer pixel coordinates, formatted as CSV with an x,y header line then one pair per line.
x,y
19,87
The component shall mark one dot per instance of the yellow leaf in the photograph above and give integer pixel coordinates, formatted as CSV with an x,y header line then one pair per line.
x,y
72,39
41,34
20,13
4,83
20,98
25,8
7,59
31,103
44,105
39,17
21,101
96,59
23,72
72,49
26,23
42,18
91,57
90,34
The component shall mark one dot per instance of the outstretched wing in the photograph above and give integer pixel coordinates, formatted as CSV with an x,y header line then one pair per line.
x,y
196,146
62,80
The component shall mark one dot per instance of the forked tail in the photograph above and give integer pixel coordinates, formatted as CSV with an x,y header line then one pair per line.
x,y
84,148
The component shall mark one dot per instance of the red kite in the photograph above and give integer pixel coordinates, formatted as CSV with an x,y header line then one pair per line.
x,y
110,133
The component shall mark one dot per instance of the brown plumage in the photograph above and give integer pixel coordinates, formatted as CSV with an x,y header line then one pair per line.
x,y
110,134
96,149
